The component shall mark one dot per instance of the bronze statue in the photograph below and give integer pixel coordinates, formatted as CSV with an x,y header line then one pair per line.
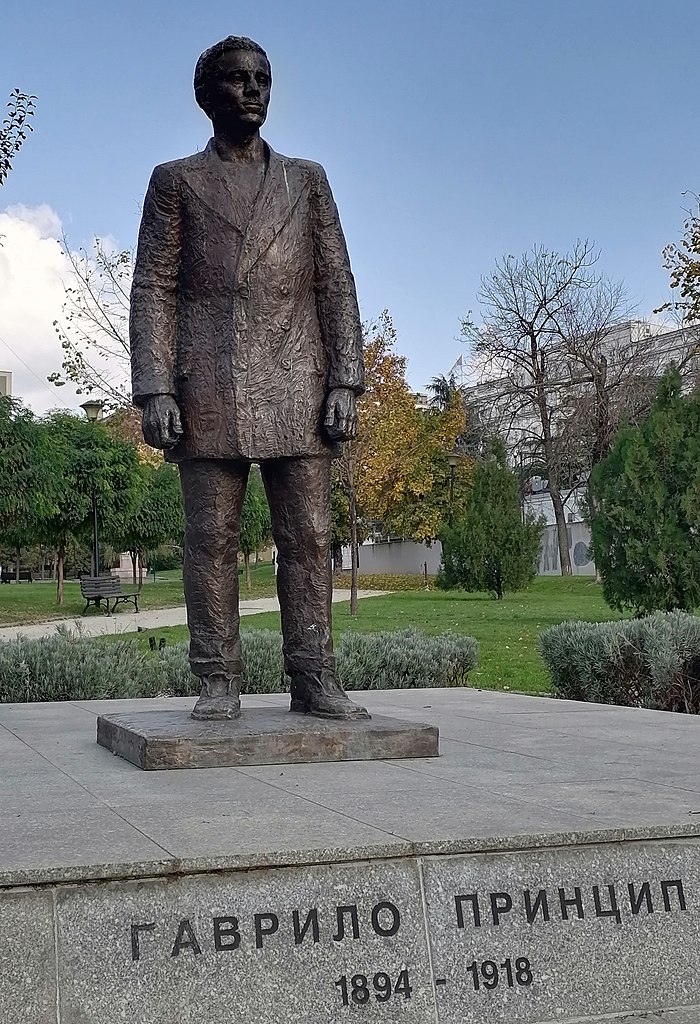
x,y
246,346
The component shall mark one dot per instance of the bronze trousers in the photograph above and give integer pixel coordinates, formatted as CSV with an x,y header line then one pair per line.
x,y
298,492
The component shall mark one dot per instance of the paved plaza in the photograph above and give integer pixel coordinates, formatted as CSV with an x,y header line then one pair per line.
x,y
514,771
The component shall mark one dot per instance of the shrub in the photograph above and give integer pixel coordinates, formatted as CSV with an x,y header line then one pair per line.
x,y
165,558
651,662
406,659
646,522
69,666
491,546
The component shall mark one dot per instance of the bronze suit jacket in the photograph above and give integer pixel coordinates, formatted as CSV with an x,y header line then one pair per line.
x,y
247,324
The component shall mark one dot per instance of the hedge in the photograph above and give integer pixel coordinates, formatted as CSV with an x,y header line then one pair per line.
x,y
71,667
649,662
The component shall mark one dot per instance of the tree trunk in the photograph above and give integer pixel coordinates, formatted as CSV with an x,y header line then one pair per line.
x,y
60,560
42,557
246,562
562,535
593,508
140,561
18,553
354,560
134,557
54,559
553,469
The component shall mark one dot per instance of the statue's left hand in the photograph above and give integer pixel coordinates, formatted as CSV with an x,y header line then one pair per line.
x,y
340,421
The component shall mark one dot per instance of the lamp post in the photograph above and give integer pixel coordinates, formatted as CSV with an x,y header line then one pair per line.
x,y
93,411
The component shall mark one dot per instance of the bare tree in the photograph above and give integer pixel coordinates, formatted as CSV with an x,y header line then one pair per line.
x,y
614,372
542,343
94,327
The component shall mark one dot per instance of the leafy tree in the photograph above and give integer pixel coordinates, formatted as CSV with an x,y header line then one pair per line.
x,y
490,547
125,423
26,494
256,526
14,128
683,261
85,458
446,393
394,473
158,516
646,530
432,492
443,391
399,450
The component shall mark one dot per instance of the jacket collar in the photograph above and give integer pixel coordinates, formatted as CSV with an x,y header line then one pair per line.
x,y
279,194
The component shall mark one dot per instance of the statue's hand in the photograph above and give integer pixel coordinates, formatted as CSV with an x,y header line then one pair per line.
x,y
340,421
161,423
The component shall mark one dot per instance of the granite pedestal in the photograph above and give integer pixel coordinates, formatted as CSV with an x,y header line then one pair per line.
x,y
156,740
546,867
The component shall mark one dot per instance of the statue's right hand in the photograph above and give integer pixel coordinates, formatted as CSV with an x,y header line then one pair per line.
x,y
161,423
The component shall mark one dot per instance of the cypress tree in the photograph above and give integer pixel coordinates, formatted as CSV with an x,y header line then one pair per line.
x,y
490,547
646,537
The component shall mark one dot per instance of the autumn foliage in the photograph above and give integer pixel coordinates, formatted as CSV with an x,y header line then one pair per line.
x,y
400,468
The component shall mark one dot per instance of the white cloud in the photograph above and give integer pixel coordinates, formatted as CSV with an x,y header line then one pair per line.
x,y
33,271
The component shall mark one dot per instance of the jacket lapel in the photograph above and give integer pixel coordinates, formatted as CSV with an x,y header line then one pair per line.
x,y
206,177
282,187
278,196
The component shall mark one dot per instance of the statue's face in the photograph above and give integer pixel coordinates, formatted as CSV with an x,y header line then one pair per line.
x,y
240,95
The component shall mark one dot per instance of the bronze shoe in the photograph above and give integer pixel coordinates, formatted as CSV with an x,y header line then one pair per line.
x,y
219,698
323,697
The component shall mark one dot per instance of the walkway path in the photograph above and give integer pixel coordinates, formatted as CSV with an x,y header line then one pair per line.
x,y
130,622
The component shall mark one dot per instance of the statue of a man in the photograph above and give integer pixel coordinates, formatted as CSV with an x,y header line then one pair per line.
x,y
246,348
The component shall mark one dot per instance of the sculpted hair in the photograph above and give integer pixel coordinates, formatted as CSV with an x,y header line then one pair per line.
x,y
206,68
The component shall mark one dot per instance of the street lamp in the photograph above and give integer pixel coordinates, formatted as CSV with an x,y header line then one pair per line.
x,y
93,411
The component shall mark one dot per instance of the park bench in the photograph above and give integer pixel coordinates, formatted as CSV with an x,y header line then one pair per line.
x,y
96,589
10,575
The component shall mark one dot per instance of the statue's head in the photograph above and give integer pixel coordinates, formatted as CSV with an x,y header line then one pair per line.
x,y
232,83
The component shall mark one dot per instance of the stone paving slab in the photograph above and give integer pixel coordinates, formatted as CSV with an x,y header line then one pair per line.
x,y
512,770
545,868
27,957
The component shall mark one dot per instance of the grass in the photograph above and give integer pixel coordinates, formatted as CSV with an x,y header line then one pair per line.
x,y
506,630
23,603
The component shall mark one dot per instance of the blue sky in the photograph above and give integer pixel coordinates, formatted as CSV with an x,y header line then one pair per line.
x,y
452,132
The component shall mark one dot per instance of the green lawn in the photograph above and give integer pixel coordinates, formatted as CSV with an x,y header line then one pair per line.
x,y
36,602
505,630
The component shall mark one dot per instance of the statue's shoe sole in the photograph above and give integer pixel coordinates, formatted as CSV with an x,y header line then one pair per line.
x,y
216,713
299,708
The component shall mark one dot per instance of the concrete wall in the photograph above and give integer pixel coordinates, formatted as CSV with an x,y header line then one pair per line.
x,y
397,557
403,556
579,550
